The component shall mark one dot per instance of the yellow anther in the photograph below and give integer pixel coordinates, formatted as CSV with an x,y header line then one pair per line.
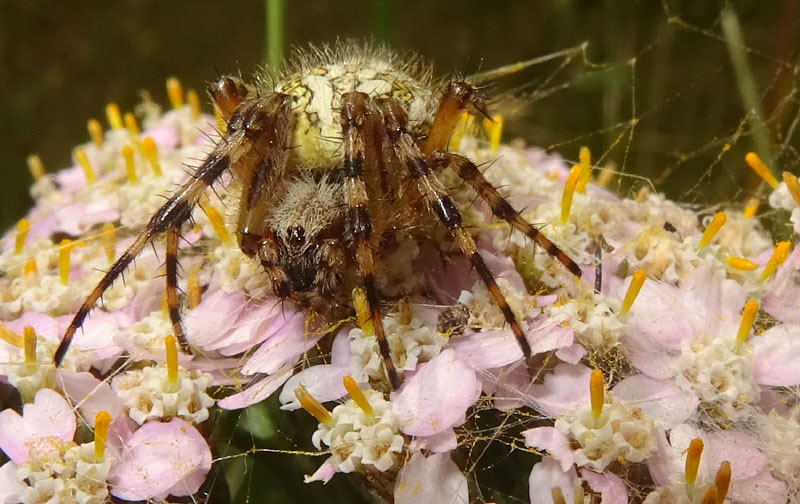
x,y
35,166
606,174
171,346
722,482
494,131
793,186
761,169
779,255
23,226
404,313
83,161
557,495
101,422
709,496
741,263
29,268
175,92
131,125
585,158
569,190
311,405
64,250
113,116
362,311
109,238
11,337
748,317
216,222
222,126
751,208
357,395
193,289
596,393
29,339
194,103
464,125
95,132
633,290
712,229
693,461
577,494
151,153
130,164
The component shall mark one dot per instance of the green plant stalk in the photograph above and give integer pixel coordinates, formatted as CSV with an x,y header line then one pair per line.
x,y
274,49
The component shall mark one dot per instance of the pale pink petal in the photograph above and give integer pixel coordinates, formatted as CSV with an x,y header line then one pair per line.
x,y
435,479
611,487
323,382
44,325
45,423
163,134
89,394
566,386
442,442
663,401
257,391
286,346
162,458
437,396
648,357
547,475
552,441
12,436
214,318
571,354
508,385
324,473
776,354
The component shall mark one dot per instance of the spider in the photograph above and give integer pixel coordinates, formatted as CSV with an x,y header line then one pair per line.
x,y
333,158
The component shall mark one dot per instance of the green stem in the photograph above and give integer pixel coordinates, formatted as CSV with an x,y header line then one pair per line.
x,y
274,49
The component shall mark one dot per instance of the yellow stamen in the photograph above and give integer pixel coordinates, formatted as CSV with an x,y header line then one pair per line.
x,y
151,153
404,314
569,190
778,256
357,395
748,316
693,461
494,131
709,496
597,392
311,405
113,116
101,423
29,339
222,126
216,222
109,237
11,337
194,103
633,290
751,208
712,229
35,166
95,132
741,263
130,165
131,125
577,494
64,249
83,161
172,359
29,268
606,174
175,92
761,169
585,158
193,289
464,125
362,311
557,495
23,226
722,482
793,186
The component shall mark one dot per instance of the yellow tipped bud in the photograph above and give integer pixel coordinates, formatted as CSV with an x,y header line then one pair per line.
x,y
597,392
113,116
95,132
722,482
193,289
130,164
494,131
29,339
633,290
779,255
23,226
751,208
793,186
64,250
585,158
175,92
101,422
83,161
194,103
172,359
151,153
712,229
761,169
464,125
109,237
557,495
312,406
569,190
216,222
362,311
29,268
693,461
709,496
131,125
741,263
35,166
11,337
748,316
357,395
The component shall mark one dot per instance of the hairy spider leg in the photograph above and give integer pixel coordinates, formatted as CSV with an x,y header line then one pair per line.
x,y
457,97
501,208
358,224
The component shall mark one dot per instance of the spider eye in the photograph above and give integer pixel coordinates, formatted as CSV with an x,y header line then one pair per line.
x,y
296,235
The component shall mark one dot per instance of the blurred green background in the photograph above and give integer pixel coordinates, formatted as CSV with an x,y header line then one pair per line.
x,y
666,64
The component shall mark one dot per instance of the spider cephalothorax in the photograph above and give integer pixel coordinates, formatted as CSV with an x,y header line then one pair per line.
x,y
334,159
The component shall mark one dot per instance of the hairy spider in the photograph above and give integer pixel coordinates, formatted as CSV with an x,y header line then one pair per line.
x,y
332,159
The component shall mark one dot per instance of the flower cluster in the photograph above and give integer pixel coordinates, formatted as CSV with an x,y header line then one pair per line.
x,y
664,374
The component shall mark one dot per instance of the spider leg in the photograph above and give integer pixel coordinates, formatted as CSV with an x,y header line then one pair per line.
x,y
501,208
458,96
358,225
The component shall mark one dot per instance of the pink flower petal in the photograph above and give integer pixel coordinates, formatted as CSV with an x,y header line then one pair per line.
x,y
547,475
439,443
89,394
258,391
324,473
663,401
285,346
611,487
214,318
44,423
437,397
434,479
776,354
566,386
554,442
323,382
